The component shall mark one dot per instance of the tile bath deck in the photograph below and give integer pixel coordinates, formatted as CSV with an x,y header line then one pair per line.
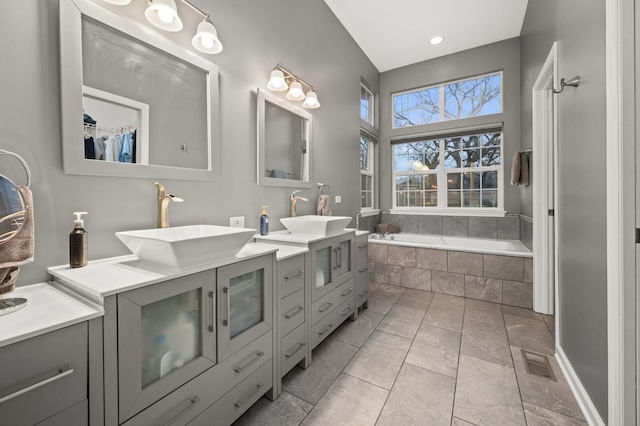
x,y
421,358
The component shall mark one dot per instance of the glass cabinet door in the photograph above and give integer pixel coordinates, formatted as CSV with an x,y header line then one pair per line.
x,y
245,303
166,337
323,267
344,257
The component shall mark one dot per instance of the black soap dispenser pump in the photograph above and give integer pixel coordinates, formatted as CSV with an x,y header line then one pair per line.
x,y
78,243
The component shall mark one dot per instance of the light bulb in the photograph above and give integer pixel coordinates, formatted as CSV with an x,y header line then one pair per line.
x,y
276,81
206,41
295,92
165,15
206,38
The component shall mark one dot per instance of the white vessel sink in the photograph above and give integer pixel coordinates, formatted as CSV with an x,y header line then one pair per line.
x,y
315,225
186,246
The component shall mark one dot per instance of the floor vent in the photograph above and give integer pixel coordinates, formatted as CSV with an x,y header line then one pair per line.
x,y
537,364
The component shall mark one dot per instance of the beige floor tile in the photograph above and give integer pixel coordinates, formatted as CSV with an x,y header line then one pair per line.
x,y
529,334
419,397
445,312
287,410
328,361
459,422
482,311
349,401
380,359
538,416
382,299
418,299
356,332
487,394
435,349
486,341
402,321
515,311
544,392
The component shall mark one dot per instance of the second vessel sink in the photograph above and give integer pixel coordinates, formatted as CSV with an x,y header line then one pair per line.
x,y
186,246
315,225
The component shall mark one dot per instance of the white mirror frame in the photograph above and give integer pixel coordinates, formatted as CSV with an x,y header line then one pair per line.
x,y
71,89
263,98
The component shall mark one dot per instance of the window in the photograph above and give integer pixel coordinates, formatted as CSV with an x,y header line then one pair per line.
x,y
472,97
366,104
449,172
366,171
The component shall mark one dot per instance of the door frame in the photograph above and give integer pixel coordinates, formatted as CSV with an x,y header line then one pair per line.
x,y
545,186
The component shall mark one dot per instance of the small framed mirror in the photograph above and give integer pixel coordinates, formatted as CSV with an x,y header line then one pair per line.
x,y
284,143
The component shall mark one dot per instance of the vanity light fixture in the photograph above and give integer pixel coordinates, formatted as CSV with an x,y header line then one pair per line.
x,y
164,15
282,79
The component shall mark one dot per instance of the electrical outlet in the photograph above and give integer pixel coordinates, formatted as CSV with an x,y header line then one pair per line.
x,y
338,199
236,221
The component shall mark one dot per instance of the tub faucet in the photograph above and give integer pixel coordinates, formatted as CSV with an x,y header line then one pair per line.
x,y
293,199
163,205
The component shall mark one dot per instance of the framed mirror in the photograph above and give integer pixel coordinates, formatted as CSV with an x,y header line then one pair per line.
x,y
284,143
149,107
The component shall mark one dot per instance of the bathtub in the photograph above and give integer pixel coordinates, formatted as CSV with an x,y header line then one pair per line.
x,y
443,242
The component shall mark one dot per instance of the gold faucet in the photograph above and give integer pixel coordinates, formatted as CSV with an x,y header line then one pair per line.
x,y
293,199
163,205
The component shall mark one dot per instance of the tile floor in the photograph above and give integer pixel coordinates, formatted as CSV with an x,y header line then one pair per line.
x,y
421,358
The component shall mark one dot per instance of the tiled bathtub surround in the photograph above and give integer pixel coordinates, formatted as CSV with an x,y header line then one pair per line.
x,y
368,223
494,278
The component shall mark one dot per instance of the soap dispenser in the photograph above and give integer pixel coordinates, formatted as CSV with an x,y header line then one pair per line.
x,y
78,243
264,221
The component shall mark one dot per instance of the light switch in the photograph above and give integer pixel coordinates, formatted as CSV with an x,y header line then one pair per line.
x,y
338,199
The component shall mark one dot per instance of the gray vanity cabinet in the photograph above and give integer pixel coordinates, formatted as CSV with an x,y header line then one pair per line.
x,y
362,270
331,264
45,378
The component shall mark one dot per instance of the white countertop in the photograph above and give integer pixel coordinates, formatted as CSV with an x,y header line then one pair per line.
x,y
287,237
49,307
106,277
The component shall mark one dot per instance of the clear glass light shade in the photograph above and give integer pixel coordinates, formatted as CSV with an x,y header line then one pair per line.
x,y
295,92
277,82
164,14
311,100
206,38
118,2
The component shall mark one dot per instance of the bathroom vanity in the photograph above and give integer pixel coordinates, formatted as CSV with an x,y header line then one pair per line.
x,y
190,346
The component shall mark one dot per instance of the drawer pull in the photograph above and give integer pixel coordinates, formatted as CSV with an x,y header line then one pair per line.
x,y
247,399
212,296
293,312
239,368
325,329
362,293
299,346
362,246
292,276
363,270
192,402
346,311
325,306
347,291
57,374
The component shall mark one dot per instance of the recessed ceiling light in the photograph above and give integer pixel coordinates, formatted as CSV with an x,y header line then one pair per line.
x,y
436,40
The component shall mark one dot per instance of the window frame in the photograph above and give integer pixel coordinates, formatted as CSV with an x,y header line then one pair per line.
x,y
442,172
371,172
441,100
372,106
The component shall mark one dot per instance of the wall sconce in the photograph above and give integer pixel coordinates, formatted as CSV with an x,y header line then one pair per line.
x,y
164,15
281,80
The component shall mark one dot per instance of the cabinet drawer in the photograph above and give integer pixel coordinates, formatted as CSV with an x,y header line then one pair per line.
x,y
293,348
76,415
327,325
186,402
345,310
238,400
291,274
291,312
44,375
362,294
323,306
346,291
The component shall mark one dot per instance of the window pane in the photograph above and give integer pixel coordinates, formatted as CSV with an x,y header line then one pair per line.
x,y
366,105
471,199
416,156
364,153
490,180
453,199
417,190
491,149
366,191
471,181
473,97
414,108
490,198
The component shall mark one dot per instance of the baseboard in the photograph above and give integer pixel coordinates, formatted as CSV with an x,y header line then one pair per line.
x,y
588,409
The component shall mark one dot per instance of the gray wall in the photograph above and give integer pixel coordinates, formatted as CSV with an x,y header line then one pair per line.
x,y
505,56
579,27
305,37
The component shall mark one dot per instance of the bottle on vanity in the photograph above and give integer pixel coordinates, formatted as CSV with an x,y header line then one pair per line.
x,y
264,221
78,243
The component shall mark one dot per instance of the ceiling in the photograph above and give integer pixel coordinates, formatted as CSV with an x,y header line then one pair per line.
x,y
397,33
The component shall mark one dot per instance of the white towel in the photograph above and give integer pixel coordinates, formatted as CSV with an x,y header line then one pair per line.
x,y
324,205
